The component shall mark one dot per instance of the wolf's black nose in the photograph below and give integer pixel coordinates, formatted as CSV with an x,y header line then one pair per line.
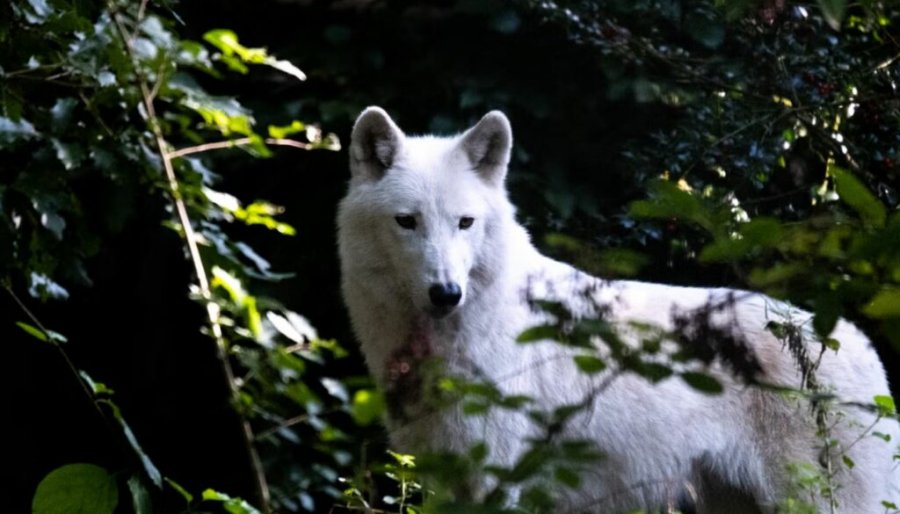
x,y
445,295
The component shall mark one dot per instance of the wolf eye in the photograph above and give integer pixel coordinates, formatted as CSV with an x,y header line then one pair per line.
x,y
466,222
406,221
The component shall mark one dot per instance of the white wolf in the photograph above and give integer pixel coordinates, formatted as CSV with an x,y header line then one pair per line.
x,y
434,264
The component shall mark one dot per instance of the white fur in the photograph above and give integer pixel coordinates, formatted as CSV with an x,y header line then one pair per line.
x,y
661,441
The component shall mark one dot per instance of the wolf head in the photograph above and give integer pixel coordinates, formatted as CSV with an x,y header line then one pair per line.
x,y
417,222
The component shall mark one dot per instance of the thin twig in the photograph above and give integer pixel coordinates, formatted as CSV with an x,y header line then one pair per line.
x,y
96,114
160,78
233,143
296,420
71,365
79,376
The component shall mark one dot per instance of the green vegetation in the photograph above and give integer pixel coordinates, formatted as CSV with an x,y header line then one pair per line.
x,y
167,192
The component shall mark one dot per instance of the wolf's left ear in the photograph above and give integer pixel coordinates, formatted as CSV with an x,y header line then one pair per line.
x,y
487,146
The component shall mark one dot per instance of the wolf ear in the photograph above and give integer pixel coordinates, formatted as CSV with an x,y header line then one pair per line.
x,y
374,144
488,145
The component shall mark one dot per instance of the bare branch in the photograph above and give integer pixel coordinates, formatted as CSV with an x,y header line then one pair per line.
x,y
212,308
233,143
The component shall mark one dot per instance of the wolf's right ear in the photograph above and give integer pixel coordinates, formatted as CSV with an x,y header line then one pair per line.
x,y
374,144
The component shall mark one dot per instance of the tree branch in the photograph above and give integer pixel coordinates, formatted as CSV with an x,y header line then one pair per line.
x,y
212,308
234,143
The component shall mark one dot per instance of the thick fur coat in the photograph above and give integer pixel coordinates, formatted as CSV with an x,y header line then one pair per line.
x,y
434,265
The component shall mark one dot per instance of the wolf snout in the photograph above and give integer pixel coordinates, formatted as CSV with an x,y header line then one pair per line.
x,y
445,296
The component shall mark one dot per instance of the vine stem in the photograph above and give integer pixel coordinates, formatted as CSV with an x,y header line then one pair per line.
x,y
71,365
213,311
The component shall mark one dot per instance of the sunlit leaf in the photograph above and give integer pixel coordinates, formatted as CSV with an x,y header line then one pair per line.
x,y
885,405
293,326
885,304
335,388
286,67
235,55
231,284
231,505
281,132
403,459
40,10
33,331
13,131
188,497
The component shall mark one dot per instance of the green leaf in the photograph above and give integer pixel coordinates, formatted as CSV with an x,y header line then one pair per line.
x,y
620,262
33,331
151,469
225,114
188,497
140,497
669,201
288,130
235,55
69,154
567,477
833,11
14,131
885,304
828,310
286,67
702,382
403,459
652,371
61,114
538,333
475,408
96,387
39,11
368,406
832,344
231,505
848,461
479,452
589,364
751,236
885,404
293,326
44,287
855,194
227,42
76,489
881,435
